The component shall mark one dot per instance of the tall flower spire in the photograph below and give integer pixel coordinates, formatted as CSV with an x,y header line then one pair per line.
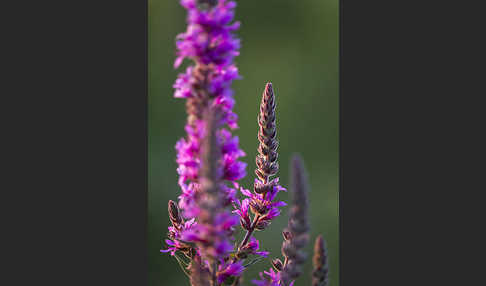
x,y
266,159
261,200
296,234
208,157
320,270
209,42
213,232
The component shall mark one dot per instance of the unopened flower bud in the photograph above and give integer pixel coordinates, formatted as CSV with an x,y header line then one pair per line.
x,y
258,208
261,225
242,254
174,214
287,235
260,188
277,264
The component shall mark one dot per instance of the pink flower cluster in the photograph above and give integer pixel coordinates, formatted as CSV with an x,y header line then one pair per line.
x,y
199,231
269,278
209,42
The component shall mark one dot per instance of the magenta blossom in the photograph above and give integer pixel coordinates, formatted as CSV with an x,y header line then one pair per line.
x,y
272,278
263,204
188,152
252,247
175,235
226,270
241,208
210,43
173,246
183,84
187,202
214,237
208,38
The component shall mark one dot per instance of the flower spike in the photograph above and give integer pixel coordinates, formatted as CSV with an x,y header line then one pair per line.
x,y
296,234
320,271
266,159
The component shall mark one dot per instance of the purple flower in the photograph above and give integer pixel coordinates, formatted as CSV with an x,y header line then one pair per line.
x,y
229,195
187,202
206,85
173,246
252,247
175,234
188,152
271,278
263,204
226,270
208,38
183,84
230,144
225,221
233,169
214,237
210,43
241,208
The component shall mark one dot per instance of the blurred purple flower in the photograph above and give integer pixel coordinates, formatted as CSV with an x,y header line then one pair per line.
x,y
213,237
209,42
175,234
226,270
263,204
241,208
253,246
272,278
208,38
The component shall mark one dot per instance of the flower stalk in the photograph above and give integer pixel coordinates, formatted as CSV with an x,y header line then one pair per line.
x,y
296,234
265,190
201,235
321,268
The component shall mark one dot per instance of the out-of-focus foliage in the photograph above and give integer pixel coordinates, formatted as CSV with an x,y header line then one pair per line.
x,y
293,44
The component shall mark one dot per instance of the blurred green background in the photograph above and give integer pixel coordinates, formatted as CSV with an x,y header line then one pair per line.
x,y
293,44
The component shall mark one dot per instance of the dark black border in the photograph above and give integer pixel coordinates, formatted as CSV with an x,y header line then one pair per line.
x,y
80,147
410,113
